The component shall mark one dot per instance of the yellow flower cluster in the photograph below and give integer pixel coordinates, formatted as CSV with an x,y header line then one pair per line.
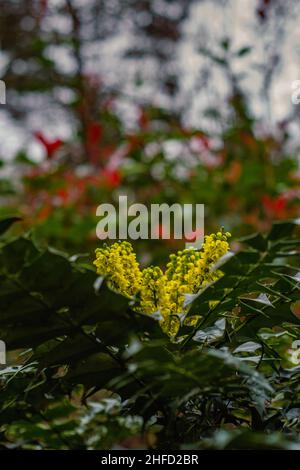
x,y
118,263
158,291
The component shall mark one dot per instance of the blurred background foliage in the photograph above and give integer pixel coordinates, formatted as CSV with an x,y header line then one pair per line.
x,y
149,99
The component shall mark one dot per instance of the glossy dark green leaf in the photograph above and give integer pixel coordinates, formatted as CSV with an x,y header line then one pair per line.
x,y
5,224
256,241
281,230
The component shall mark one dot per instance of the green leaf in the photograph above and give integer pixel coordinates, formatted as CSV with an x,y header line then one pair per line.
x,y
256,241
244,51
5,224
281,230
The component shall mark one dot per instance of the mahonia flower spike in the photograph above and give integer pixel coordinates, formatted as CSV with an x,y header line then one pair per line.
x,y
154,290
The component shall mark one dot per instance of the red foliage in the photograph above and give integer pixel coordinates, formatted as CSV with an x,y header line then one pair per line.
x,y
275,207
143,120
64,195
51,146
44,213
94,136
94,133
111,178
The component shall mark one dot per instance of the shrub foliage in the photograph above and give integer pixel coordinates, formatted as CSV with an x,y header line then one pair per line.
x,y
87,371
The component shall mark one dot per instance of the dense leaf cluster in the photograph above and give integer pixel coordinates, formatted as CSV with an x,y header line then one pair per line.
x,y
85,371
